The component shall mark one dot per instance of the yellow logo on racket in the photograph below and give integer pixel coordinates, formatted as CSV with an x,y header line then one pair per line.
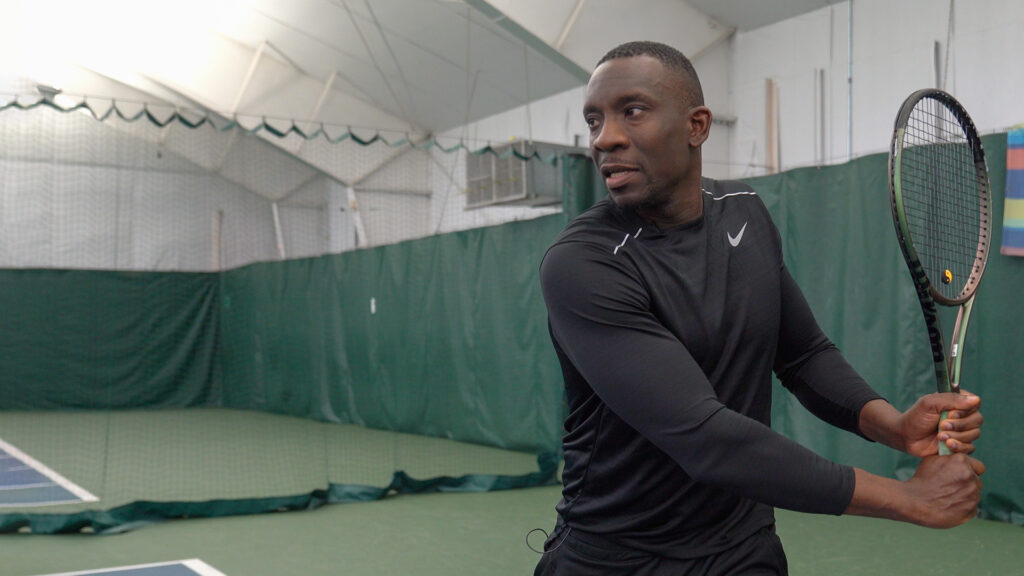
x,y
947,277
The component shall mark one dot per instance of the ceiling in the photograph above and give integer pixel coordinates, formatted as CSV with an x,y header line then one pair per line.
x,y
399,68
417,66
751,14
410,66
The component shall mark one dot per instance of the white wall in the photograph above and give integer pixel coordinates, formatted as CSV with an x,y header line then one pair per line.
x,y
94,211
77,193
893,55
713,69
58,215
559,119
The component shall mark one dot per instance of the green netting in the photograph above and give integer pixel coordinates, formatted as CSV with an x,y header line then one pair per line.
x,y
103,109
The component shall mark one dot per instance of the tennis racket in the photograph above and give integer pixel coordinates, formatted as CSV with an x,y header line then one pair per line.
x,y
939,192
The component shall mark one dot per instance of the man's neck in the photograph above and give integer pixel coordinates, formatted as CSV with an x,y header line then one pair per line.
x,y
686,206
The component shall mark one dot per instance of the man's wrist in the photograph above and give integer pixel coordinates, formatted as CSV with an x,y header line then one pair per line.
x,y
880,421
880,497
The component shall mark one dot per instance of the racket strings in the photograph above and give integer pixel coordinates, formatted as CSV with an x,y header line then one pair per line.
x,y
943,198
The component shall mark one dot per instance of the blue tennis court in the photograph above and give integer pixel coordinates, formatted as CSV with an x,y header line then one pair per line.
x,y
193,567
24,481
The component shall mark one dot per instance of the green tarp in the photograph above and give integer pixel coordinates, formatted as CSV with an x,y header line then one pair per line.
x,y
444,336
100,339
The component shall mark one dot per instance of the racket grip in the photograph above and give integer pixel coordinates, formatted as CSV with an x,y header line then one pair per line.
x,y
943,449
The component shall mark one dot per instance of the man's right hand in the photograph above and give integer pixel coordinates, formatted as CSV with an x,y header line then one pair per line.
x,y
944,491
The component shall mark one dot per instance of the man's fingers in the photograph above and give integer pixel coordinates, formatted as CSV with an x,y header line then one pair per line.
x,y
968,436
955,446
957,421
961,401
976,465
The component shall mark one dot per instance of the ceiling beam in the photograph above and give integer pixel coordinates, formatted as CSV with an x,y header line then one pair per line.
x,y
725,34
498,18
254,63
380,71
569,23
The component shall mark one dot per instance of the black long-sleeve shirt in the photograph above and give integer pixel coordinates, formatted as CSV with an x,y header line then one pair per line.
x,y
667,340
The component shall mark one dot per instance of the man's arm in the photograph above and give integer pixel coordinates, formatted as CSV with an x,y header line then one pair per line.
x,y
816,372
810,366
944,492
917,431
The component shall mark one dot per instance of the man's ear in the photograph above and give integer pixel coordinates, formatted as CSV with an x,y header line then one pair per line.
x,y
700,125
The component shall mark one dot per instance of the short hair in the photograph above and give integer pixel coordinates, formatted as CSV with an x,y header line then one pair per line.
x,y
669,57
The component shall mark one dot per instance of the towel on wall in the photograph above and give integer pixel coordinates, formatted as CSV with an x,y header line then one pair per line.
x,y
1013,209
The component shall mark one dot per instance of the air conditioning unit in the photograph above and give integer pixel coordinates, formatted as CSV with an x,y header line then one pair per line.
x,y
503,178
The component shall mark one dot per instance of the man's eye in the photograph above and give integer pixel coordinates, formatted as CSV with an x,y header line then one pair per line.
x,y
633,111
591,122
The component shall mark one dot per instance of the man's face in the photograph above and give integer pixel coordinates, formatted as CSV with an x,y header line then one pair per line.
x,y
639,130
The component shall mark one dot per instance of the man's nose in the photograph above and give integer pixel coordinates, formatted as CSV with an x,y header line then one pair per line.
x,y
610,136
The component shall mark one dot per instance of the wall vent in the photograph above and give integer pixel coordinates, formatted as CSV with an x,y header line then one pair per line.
x,y
504,179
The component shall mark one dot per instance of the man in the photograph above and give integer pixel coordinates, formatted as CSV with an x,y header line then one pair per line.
x,y
669,306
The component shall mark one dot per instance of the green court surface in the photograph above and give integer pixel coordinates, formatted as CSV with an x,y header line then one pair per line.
x,y
483,534
204,455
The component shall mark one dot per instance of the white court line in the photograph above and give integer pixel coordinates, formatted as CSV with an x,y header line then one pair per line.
x,y
195,564
202,568
38,503
82,494
23,486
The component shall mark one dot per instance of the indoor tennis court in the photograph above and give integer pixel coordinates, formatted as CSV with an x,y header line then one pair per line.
x,y
269,271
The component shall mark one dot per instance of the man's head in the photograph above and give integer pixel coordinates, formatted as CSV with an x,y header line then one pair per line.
x,y
673,60
644,108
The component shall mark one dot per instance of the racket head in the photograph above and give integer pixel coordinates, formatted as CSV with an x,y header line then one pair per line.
x,y
940,195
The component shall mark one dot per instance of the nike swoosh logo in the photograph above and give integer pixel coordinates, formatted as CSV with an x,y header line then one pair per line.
x,y
735,240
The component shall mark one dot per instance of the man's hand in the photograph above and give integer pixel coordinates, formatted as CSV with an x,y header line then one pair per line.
x,y
917,431
921,430
944,491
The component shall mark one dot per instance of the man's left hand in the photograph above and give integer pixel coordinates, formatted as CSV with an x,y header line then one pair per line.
x,y
922,430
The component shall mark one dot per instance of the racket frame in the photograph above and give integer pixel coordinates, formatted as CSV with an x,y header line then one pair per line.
x,y
947,372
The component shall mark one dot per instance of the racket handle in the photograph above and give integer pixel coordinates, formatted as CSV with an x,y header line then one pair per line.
x,y
943,449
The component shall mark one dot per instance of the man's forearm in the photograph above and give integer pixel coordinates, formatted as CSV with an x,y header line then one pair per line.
x,y
880,421
878,497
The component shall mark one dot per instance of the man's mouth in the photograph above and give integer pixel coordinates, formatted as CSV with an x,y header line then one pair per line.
x,y
616,176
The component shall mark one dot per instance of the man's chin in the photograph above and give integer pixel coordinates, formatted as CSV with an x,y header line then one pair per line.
x,y
627,199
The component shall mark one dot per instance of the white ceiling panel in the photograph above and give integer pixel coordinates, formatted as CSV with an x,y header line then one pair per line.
x,y
751,14
422,66
418,67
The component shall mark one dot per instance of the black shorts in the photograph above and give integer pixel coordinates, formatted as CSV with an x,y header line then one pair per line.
x,y
759,555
